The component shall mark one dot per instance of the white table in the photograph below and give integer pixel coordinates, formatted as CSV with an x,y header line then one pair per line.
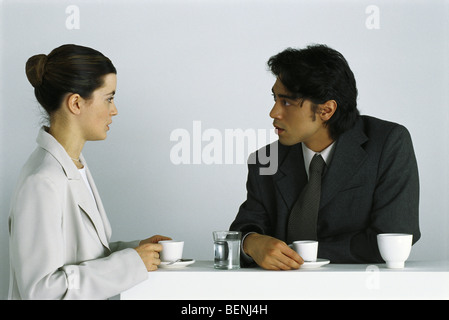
x,y
200,281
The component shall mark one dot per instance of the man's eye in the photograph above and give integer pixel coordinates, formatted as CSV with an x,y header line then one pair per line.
x,y
274,96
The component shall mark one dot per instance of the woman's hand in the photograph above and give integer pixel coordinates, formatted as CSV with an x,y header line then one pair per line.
x,y
148,251
154,239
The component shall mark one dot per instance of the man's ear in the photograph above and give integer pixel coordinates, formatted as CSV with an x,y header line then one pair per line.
x,y
74,101
327,110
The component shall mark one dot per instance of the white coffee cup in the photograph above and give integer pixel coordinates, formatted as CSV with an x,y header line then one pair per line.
x,y
307,249
171,250
394,248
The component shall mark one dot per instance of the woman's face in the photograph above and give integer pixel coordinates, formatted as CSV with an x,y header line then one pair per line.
x,y
100,109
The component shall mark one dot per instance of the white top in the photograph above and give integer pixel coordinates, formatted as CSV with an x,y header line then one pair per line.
x,y
84,175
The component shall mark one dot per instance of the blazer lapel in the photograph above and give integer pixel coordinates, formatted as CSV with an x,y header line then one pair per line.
x,y
348,156
84,199
346,160
105,225
291,176
87,204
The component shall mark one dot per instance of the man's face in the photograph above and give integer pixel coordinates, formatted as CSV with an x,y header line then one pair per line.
x,y
294,119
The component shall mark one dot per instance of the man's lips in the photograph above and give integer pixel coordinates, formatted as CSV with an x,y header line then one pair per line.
x,y
278,129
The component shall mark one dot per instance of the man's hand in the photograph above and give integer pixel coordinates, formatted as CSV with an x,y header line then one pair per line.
x,y
148,251
271,253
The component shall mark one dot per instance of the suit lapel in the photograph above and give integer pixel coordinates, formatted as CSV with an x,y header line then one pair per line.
x,y
346,160
104,223
348,156
88,205
291,176
79,189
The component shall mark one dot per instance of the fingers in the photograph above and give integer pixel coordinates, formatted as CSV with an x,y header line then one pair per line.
x,y
152,247
283,259
152,264
155,262
292,254
288,258
157,238
271,253
149,253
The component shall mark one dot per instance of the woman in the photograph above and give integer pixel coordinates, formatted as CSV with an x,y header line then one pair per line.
x,y
59,232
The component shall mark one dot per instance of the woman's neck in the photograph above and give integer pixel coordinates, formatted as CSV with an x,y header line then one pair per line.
x,y
69,139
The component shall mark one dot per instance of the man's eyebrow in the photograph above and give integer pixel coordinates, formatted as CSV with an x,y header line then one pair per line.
x,y
284,96
110,93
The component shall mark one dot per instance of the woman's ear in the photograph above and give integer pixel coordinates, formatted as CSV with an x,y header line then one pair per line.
x,y
74,101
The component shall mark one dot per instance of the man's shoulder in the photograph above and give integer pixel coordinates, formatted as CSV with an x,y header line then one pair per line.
x,y
377,123
376,134
375,127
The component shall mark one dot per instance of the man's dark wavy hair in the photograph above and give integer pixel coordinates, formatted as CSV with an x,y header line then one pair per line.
x,y
319,73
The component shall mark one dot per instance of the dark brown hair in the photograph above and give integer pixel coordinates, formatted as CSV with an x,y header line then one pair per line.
x,y
67,69
319,73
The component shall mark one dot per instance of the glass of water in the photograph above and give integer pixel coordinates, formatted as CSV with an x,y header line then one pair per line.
x,y
227,249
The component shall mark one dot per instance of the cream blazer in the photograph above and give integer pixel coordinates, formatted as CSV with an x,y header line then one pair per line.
x,y
59,236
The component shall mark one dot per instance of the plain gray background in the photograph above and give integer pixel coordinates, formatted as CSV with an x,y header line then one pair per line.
x,y
185,61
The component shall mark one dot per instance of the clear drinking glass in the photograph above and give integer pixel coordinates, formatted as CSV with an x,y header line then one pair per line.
x,y
227,249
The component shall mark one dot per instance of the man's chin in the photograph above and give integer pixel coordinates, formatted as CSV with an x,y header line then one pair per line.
x,y
287,143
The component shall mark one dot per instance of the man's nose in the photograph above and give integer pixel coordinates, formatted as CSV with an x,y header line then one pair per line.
x,y
276,111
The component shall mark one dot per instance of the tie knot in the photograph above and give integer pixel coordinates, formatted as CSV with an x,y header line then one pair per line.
x,y
317,164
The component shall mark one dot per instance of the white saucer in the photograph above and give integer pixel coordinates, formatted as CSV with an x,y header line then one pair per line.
x,y
180,264
315,264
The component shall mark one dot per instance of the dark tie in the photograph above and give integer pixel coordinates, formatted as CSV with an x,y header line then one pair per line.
x,y
302,223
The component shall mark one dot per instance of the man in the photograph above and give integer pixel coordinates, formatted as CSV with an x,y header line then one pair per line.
x,y
368,178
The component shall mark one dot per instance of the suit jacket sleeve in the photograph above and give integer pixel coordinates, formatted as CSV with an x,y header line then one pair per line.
x,y
252,215
121,245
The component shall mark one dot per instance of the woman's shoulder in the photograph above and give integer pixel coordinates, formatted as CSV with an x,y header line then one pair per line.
x,y
43,166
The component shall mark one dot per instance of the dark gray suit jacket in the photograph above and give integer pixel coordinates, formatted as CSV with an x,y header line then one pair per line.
x,y
371,186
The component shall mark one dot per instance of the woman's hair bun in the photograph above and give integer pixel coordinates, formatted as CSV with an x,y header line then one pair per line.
x,y
66,69
35,69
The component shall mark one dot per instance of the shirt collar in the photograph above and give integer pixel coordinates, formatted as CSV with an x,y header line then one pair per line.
x,y
308,155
